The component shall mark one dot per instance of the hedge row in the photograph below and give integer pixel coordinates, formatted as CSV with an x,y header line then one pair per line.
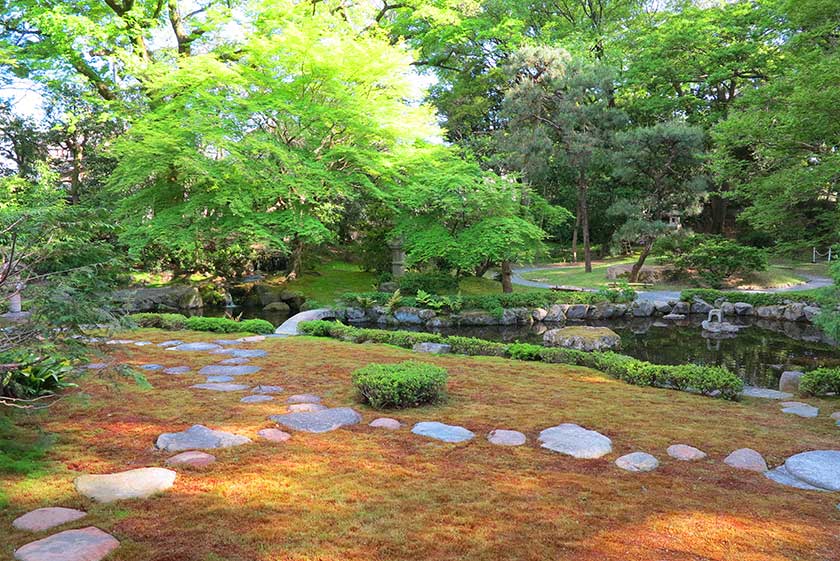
x,y
198,323
820,382
707,380
755,298
490,303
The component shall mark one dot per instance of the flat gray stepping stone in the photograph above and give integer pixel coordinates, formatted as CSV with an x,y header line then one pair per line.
x,y
151,366
274,435
219,379
251,339
241,353
504,437
440,431
45,518
836,416
195,347
177,370
192,458
96,365
305,407
85,544
235,360
220,387
385,423
764,393
132,484
800,409
820,468
746,458
685,453
318,421
170,343
575,441
119,342
781,475
303,398
199,437
227,342
257,398
263,389
222,370
637,462
142,343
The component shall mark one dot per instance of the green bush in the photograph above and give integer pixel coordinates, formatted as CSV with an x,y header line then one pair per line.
x,y
493,303
716,259
434,283
216,325
525,351
756,299
407,384
822,381
32,374
160,321
475,346
257,326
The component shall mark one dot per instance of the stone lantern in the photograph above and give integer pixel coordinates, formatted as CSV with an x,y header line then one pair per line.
x,y
397,257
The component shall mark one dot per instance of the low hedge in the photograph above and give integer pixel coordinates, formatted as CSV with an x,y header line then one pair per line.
x,y
199,323
490,303
707,380
407,384
755,298
819,382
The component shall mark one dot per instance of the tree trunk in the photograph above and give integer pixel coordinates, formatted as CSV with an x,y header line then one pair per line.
x,y
297,258
507,285
483,268
584,223
637,266
575,233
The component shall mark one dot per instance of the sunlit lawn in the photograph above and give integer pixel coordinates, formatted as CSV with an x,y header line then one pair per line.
x,y
365,494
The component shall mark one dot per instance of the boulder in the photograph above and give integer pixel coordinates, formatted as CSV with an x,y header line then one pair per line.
x,y
642,308
810,312
199,437
575,441
539,314
583,338
795,312
820,468
45,518
699,306
746,458
475,317
516,316
274,435
789,382
556,314
770,312
431,348
743,309
294,299
440,431
410,315
386,423
681,308
318,421
132,484
160,299
355,315
685,453
192,458
277,308
85,544
662,307
637,462
503,437
577,311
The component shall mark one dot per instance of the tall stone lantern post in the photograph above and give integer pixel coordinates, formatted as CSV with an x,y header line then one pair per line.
x,y
397,258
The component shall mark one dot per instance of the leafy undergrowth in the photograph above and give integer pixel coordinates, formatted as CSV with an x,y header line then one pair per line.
x,y
365,494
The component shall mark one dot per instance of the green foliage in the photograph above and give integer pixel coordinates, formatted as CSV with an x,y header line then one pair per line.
x,y
821,382
450,304
198,323
525,351
160,321
755,298
623,292
435,283
260,326
406,384
27,374
490,303
474,346
829,318
716,259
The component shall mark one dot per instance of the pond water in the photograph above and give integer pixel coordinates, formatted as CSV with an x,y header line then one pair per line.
x,y
759,353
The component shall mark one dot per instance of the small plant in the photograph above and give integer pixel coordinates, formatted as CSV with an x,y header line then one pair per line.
x,y
25,374
407,384
160,321
822,381
364,302
394,301
623,292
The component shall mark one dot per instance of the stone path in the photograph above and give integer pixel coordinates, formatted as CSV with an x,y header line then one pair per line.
x,y
685,452
220,387
241,353
441,431
637,462
575,441
386,423
504,437
132,484
199,437
318,421
256,398
192,458
228,370
800,409
195,347
746,458
764,393
86,544
46,518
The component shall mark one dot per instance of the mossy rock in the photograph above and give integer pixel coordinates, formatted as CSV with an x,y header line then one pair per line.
x,y
583,338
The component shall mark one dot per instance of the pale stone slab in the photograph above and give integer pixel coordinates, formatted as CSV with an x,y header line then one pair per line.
x,y
132,484
746,458
319,421
263,389
637,462
199,437
241,353
195,347
227,342
303,398
220,387
386,423
224,370
764,393
192,458
219,379
46,518
782,476
685,453
820,468
151,367
170,343
86,544
800,409
256,398
504,437
305,407
575,441
441,431
274,435
177,370
235,360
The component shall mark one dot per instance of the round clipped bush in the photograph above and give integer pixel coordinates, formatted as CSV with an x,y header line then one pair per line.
x,y
257,326
822,381
406,384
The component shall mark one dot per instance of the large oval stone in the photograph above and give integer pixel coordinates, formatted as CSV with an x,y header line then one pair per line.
x,y
746,458
85,544
46,518
224,370
195,347
820,468
241,353
583,338
192,458
440,431
318,421
220,387
132,484
575,441
199,437
685,453
504,437
637,462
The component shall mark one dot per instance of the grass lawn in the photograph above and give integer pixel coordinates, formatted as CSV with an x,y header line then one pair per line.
x,y
365,494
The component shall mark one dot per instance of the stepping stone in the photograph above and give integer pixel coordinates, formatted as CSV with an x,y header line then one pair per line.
x,y
820,468
227,342
575,441
262,389
220,379
502,437
235,360
746,458
199,437
274,435
637,462
192,458
142,343
318,421
252,339
836,416
800,409
440,431
170,343
195,347
685,452
96,365
385,423
303,398
177,370
119,342
132,484
220,387
86,544
764,393
46,518
781,475
305,407
220,370
151,366
256,398
240,353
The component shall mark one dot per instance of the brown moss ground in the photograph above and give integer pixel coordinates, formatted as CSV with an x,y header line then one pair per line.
x,y
365,494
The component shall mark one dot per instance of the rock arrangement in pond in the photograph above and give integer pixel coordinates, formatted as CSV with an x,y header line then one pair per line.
x,y
441,431
132,484
576,441
199,437
583,338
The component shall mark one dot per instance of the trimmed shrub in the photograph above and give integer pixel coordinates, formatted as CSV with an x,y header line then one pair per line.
x,y
475,346
716,259
257,326
756,299
318,328
160,321
407,384
216,325
525,351
434,283
822,381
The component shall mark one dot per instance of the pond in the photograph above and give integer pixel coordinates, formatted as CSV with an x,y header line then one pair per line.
x,y
759,353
